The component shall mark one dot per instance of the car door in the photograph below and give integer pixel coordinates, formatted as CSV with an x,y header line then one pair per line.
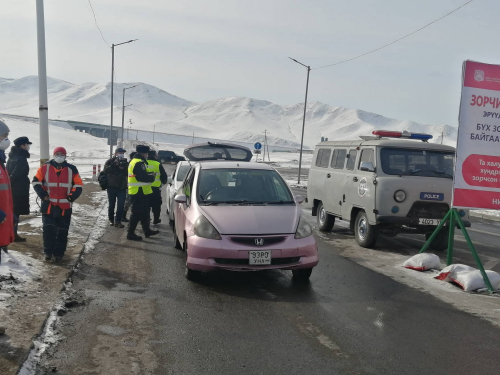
x,y
318,173
334,182
172,189
182,208
359,185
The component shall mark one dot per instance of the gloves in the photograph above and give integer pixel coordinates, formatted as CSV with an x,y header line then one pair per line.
x,y
70,199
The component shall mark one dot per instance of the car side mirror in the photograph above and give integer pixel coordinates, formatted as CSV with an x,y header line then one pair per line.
x,y
169,180
180,198
299,199
367,166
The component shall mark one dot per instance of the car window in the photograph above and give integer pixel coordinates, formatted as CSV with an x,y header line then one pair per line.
x,y
338,159
186,186
181,173
366,155
351,159
245,186
166,153
323,157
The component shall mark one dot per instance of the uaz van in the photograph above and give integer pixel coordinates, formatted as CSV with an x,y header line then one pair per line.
x,y
383,185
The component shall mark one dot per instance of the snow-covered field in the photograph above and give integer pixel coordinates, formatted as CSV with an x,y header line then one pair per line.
x,y
233,118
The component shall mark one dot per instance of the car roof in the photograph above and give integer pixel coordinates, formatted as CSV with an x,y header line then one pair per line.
x,y
385,142
233,164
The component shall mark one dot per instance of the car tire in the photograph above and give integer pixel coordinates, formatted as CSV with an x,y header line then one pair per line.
x,y
324,219
302,274
162,161
177,243
190,274
440,242
365,233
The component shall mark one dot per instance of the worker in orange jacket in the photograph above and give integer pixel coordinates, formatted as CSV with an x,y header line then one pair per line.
x,y
58,185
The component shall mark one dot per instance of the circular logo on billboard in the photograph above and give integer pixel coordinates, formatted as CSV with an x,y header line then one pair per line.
x,y
479,75
362,187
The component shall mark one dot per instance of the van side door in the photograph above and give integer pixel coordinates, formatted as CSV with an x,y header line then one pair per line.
x,y
317,175
359,187
334,182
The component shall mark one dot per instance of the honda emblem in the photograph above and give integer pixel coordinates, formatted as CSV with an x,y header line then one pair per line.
x,y
259,242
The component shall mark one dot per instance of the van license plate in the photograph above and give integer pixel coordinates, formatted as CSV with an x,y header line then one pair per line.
x,y
259,257
429,221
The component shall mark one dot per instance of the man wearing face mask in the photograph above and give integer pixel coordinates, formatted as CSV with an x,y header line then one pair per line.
x,y
116,169
6,204
19,169
58,185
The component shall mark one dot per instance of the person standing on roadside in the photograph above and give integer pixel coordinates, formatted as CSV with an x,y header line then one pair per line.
x,y
116,169
58,184
19,169
6,204
161,178
139,189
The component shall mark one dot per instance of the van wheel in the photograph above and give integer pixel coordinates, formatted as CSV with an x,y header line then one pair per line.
x,y
177,243
440,242
325,220
365,233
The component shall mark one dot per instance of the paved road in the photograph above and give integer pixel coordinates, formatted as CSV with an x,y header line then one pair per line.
x,y
142,317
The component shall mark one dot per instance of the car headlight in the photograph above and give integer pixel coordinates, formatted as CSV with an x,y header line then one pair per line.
x,y
204,228
304,229
399,196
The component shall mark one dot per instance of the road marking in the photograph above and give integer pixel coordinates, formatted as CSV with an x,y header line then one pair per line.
x,y
483,232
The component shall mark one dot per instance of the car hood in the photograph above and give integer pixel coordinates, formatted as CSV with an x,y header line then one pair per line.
x,y
256,220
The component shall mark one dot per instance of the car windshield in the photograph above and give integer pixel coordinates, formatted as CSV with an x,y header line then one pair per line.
x,y
181,173
242,187
412,162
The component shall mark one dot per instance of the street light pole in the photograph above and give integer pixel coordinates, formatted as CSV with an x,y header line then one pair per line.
x,y
112,89
42,84
304,117
123,110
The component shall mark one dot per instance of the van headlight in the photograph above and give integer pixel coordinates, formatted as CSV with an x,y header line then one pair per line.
x,y
304,229
399,196
204,228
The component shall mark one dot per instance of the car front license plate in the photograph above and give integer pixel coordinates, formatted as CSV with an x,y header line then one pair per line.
x,y
260,257
429,221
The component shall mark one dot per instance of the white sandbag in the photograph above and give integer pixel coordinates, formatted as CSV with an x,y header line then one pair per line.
x,y
450,272
423,262
473,280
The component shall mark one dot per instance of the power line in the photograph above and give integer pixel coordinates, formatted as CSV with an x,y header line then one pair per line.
x,y
397,40
95,19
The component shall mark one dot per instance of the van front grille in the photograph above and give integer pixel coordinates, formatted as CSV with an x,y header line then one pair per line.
x,y
428,210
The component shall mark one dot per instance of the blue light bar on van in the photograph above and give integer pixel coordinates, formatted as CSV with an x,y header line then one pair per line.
x,y
420,136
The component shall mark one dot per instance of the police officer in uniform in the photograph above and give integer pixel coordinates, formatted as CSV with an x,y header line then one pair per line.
x,y
161,178
139,189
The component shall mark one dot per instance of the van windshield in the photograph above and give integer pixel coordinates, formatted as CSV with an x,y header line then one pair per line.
x,y
242,186
412,162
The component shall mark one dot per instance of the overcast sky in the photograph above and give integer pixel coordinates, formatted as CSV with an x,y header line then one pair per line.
x,y
207,49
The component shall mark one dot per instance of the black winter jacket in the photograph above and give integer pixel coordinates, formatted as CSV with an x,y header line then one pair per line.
x,y
117,177
18,168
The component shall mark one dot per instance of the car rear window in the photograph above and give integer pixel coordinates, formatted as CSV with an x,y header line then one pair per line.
x,y
212,151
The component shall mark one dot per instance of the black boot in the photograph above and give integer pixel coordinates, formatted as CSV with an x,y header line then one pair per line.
x,y
18,238
133,237
151,233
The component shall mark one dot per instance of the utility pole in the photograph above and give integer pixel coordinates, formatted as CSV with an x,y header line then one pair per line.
x,y
123,109
42,84
442,135
266,146
192,141
304,118
112,92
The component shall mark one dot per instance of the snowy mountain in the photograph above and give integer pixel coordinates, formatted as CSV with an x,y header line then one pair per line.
x,y
232,118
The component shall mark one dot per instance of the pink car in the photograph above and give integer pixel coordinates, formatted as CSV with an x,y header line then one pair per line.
x,y
239,216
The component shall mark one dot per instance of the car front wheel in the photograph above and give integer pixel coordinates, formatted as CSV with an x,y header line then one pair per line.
x,y
366,234
325,220
190,274
177,243
302,274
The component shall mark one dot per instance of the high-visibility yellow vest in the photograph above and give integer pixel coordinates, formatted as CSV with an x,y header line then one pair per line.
x,y
154,167
133,184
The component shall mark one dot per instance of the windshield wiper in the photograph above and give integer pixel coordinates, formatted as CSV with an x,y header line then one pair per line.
x,y
210,203
281,202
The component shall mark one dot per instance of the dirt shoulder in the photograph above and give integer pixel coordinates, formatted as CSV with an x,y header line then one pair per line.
x,y
27,298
